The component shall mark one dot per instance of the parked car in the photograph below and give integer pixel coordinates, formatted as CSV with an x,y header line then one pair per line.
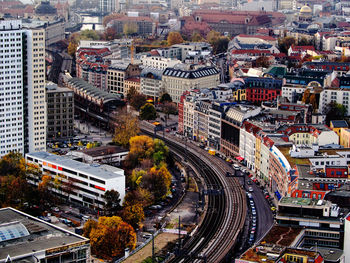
x,y
236,167
250,189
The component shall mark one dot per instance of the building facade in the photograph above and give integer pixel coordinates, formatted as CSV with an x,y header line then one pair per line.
x,y
151,83
85,184
22,86
60,112
178,80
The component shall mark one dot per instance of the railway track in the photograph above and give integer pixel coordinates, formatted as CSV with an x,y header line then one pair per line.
x,y
226,209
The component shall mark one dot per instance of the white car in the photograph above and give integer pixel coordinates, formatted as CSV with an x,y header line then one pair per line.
x,y
235,166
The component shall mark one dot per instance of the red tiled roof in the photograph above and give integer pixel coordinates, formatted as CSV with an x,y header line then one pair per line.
x,y
302,48
343,24
154,53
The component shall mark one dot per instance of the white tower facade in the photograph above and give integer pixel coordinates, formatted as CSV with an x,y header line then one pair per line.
x,y
22,88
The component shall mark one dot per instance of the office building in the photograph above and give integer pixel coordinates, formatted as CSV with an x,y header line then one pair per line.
x,y
25,238
22,88
107,6
85,183
60,112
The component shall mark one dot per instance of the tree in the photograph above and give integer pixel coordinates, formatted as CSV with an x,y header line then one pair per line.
x,y
131,93
133,214
148,112
89,34
213,36
285,43
174,38
72,48
136,177
169,108
110,33
104,234
262,62
110,18
112,202
335,111
138,196
141,147
157,181
161,152
130,28
137,101
196,37
218,42
128,127
165,98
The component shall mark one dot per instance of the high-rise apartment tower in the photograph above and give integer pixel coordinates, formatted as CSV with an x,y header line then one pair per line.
x,y
22,88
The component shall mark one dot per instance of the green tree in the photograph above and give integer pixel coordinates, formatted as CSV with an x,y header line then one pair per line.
x,y
165,98
335,111
130,28
89,34
174,38
112,202
148,112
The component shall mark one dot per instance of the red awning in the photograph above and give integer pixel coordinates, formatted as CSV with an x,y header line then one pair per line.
x,y
239,158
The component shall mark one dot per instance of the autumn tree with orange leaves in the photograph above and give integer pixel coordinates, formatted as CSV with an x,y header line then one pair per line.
x,y
14,188
174,38
109,237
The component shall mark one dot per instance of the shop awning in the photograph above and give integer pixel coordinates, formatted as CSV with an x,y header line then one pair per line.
x,y
239,158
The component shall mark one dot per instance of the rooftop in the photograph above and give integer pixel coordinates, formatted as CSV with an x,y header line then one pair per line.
x,y
292,161
339,124
103,150
37,235
100,171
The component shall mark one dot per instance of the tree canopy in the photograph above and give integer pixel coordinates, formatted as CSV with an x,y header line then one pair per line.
x,y
174,38
128,127
165,98
335,111
109,236
138,100
112,202
148,112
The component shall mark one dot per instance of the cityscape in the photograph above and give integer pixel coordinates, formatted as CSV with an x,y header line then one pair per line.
x,y
175,131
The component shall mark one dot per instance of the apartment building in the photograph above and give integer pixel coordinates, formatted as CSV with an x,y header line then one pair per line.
x,y
86,183
158,62
22,88
177,80
117,73
151,82
60,112
338,95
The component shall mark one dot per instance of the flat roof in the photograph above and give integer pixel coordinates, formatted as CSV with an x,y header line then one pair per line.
x,y
42,236
297,201
95,170
104,150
